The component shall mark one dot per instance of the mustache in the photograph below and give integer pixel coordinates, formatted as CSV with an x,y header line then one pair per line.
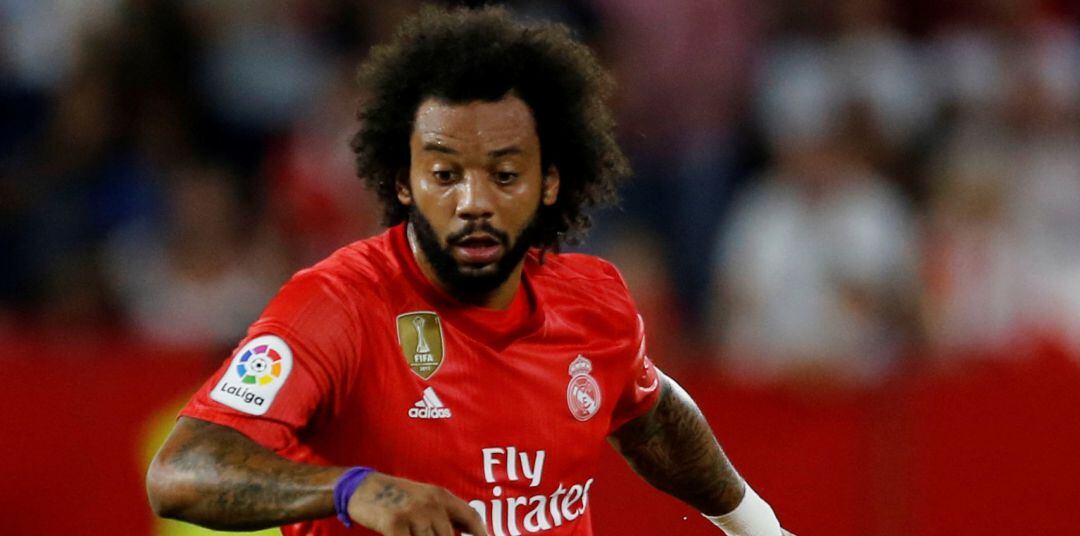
x,y
481,227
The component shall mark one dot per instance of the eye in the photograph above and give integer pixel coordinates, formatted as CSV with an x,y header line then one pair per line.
x,y
505,177
443,175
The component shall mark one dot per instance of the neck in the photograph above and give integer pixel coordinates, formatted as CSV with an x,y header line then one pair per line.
x,y
500,298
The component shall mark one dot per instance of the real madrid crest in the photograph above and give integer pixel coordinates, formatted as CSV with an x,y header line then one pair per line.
x,y
583,393
421,339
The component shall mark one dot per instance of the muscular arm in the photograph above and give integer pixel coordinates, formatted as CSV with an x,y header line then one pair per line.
x,y
214,476
673,448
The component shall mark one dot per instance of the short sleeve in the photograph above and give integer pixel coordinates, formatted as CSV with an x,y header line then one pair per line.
x,y
288,372
641,389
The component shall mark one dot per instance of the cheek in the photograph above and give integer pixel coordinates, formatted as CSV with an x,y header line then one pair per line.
x,y
429,197
520,207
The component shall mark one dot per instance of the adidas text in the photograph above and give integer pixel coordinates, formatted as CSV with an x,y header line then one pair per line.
x,y
429,413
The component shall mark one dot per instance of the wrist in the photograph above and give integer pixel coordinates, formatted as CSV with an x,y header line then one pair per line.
x,y
752,517
345,487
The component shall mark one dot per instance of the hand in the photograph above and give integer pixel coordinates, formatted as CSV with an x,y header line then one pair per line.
x,y
395,506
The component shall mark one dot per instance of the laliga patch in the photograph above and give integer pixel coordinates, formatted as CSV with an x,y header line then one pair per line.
x,y
256,374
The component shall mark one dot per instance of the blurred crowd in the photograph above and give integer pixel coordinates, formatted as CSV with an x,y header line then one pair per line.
x,y
823,187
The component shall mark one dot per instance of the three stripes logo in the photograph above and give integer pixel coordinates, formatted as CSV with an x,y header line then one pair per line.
x,y
429,407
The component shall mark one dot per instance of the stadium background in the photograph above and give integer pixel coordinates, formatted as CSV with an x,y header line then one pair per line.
x,y
854,234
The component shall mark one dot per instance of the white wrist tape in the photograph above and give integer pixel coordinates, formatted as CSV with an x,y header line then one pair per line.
x,y
753,517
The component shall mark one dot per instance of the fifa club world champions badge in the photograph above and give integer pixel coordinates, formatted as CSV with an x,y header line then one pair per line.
x,y
421,338
583,393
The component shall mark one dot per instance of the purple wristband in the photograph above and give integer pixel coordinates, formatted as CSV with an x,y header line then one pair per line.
x,y
344,488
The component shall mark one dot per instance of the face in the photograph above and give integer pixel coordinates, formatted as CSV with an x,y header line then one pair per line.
x,y
474,190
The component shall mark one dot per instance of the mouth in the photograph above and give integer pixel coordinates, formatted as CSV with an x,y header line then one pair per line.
x,y
477,249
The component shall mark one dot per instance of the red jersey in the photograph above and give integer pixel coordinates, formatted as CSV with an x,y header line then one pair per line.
x,y
360,360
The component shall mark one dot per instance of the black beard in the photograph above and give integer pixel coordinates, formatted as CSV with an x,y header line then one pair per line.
x,y
462,283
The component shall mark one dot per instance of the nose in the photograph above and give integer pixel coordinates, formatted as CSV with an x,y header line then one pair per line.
x,y
474,200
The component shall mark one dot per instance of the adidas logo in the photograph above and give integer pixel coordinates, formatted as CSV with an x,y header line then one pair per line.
x,y
429,407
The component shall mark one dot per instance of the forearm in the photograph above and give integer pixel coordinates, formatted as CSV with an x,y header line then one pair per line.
x,y
673,448
214,476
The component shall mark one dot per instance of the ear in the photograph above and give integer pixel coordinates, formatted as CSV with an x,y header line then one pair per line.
x,y
550,186
401,185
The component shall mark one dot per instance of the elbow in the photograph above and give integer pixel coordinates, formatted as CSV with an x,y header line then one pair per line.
x,y
163,490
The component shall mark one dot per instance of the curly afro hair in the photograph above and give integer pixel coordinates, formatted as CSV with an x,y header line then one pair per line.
x,y
465,55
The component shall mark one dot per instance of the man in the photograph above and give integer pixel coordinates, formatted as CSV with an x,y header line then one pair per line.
x,y
454,374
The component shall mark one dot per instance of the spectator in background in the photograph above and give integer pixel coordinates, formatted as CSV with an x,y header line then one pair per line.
x,y
117,113
850,58
1004,256
972,256
202,274
817,260
1045,118
63,191
260,70
816,268
681,66
41,40
104,101
314,195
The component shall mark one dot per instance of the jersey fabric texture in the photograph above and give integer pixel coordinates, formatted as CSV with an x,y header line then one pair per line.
x,y
360,360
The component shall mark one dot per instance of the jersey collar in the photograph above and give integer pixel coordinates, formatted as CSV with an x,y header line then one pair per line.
x,y
494,327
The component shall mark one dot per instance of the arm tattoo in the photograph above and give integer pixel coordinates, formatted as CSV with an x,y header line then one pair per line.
x,y
673,448
390,495
226,481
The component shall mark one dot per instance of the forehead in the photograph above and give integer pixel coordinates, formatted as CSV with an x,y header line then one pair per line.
x,y
505,122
